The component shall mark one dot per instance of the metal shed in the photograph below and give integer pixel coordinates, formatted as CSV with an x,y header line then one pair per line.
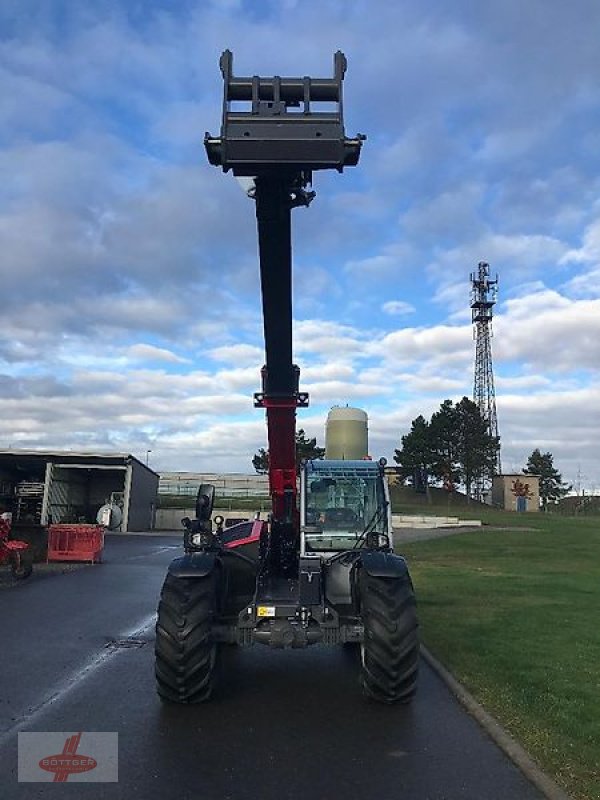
x,y
52,486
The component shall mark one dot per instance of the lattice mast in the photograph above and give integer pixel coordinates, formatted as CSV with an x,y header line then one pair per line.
x,y
484,293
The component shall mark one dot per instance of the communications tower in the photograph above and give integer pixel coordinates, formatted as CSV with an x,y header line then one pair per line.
x,y
484,293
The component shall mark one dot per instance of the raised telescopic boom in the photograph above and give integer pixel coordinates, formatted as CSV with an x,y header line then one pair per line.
x,y
279,137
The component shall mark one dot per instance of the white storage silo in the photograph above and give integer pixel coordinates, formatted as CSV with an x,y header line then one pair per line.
x,y
346,434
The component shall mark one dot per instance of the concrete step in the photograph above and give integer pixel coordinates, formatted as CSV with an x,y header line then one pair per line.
x,y
414,521
424,518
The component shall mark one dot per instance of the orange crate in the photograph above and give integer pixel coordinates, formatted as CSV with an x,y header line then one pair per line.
x,y
75,543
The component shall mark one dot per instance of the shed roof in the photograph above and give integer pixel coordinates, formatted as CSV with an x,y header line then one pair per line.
x,y
70,456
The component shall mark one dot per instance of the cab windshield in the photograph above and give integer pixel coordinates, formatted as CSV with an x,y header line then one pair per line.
x,y
342,504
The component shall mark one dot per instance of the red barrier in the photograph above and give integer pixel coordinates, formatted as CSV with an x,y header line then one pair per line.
x,y
75,543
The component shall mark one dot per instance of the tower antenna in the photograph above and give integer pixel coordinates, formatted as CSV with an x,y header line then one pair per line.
x,y
484,293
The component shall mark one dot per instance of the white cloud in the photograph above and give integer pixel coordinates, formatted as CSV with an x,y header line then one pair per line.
x,y
393,260
589,252
511,255
550,332
586,284
397,307
130,278
415,344
239,354
587,257
521,382
327,371
329,339
148,352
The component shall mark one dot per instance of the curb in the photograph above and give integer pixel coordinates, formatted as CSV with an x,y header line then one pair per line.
x,y
505,742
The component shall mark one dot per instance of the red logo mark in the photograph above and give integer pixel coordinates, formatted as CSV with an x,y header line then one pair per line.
x,y
69,761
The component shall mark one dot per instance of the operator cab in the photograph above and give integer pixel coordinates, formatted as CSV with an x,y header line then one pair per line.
x,y
344,506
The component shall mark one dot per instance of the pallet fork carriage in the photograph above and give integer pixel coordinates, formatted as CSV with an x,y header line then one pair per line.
x,y
322,570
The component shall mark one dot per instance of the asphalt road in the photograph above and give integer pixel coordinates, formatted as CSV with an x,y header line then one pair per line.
x,y
284,724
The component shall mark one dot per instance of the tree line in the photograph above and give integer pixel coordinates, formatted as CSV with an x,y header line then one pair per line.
x,y
453,448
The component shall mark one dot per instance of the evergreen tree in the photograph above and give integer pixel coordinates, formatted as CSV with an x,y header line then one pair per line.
x,y
445,444
477,449
306,449
455,447
260,461
551,483
415,454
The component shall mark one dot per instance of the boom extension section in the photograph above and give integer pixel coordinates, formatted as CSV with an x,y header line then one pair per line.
x,y
278,138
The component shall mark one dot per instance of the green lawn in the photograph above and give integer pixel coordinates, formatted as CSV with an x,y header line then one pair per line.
x,y
515,615
250,504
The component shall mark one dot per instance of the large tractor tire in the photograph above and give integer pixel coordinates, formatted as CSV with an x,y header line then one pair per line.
x,y
186,658
390,651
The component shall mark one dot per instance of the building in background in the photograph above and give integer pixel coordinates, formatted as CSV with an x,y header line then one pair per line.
x,y
234,484
516,492
235,491
42,487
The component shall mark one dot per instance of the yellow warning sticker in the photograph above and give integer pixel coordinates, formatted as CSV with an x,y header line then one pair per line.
x,y
265,611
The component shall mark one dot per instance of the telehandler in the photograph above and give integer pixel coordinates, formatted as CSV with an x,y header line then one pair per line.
x,y
321,570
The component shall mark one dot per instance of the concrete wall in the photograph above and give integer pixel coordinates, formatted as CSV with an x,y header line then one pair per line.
x,y
169,519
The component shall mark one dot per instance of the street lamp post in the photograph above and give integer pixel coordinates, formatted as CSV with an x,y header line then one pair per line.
x,y
148,456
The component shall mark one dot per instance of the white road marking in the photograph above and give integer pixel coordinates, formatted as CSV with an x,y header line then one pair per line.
x,y
77,678
153,552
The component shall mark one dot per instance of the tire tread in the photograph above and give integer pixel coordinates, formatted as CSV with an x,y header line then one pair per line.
x,y
186,657
390,661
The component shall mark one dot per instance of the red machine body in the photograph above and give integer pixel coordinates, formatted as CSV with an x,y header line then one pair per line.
x,y
14,551
281,434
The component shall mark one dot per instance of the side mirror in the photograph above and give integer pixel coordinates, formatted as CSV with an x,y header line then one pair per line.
x,y
205,501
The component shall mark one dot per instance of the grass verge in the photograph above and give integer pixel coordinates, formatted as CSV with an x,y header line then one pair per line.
x,y
515,615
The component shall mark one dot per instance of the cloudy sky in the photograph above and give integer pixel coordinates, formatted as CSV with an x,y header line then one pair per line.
x,y
130,298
